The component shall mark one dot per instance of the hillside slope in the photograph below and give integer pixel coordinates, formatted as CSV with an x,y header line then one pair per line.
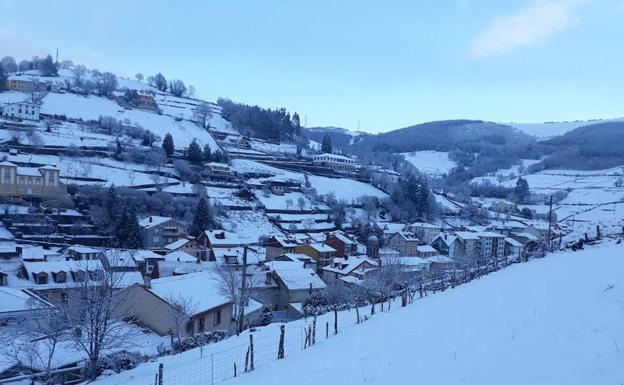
x,y
551,321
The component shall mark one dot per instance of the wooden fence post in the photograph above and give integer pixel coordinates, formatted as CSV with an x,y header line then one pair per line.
x,y
280,349
160,374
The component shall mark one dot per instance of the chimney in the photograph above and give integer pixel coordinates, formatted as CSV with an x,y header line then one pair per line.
x,y
150,219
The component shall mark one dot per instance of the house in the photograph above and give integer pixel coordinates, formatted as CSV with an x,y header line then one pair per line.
x,y
160,231
210,239
16,304
426,232
218,169
405,243
336,162
34,181
294,284
19,83
236,141
83,253
276,246
119,260
504,206
343,244
36,253
491,244
425,251
340,268
440,262
234,256
320,252
467,245
21,110
444,243
307,261
280,187
157,305
513,249
188,245
145,100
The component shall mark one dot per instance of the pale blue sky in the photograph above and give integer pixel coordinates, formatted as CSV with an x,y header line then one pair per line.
x,y
387,64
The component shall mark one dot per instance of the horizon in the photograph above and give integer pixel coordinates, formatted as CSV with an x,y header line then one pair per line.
x,y
534,61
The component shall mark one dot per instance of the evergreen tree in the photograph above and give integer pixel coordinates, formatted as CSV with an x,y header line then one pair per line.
x,y
207,153
521,191
296,123
203,219
3,75
167,145
127,231
194,153
112,204
326,146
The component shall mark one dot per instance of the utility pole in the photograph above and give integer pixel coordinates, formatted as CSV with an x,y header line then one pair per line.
x,y
243,296
550,223
56,55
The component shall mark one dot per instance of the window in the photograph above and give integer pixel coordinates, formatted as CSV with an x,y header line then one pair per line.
x,y
156,239
201,326
42,279
217,317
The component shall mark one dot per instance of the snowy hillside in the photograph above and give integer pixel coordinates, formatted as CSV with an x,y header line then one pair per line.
x,y
433,163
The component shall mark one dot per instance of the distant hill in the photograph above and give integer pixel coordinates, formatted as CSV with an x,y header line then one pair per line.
x,y
446,135
595,146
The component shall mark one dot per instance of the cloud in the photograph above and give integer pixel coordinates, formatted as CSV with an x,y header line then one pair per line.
x,y
528,26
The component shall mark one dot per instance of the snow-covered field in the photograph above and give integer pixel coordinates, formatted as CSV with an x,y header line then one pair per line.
x,y
433,163
556,320
345,189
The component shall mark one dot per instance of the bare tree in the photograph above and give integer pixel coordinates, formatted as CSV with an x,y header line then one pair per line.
x,y
301,203
139,77
78,73
181,311
93,302
34,342
202,114
230,285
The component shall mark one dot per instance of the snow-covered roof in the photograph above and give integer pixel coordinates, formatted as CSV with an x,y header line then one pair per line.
x,y
36,253
513,242
28,171
253,257
299,279
177,244
83,249
66,266
439,259
448,239
201,289
322,247
426,249
342,237
221,238
14,300
528,236
180,256
348,265
334,156
465,235
424,225
490,234
120,258
406,235
153,220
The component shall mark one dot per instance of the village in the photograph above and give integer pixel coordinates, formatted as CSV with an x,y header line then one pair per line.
x,y
184,231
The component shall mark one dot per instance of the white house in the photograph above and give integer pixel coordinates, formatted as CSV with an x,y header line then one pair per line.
x,y
336,162
22,110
